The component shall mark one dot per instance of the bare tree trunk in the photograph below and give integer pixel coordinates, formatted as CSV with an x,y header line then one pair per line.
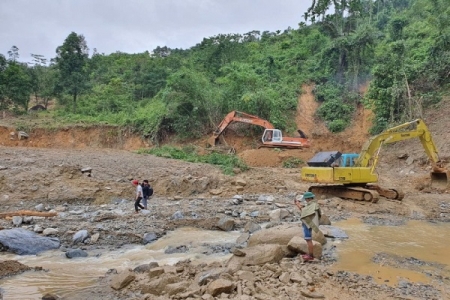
x,y
409,97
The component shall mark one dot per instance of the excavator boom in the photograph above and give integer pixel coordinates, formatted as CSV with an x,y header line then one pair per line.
x,y
358,181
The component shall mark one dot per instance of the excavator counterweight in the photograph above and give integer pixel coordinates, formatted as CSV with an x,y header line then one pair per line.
x,y
353,176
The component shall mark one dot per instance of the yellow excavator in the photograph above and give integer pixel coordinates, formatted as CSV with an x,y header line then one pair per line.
x,y
352,176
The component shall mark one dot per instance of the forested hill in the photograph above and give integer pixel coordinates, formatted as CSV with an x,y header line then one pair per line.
x,y
402,47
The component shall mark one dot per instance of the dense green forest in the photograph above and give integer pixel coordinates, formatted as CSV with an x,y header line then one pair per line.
x,y
402,47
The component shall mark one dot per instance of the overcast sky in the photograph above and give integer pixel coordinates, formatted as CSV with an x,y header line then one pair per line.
x,y
134,26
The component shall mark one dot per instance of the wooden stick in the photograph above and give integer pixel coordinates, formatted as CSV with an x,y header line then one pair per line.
x,y
28,213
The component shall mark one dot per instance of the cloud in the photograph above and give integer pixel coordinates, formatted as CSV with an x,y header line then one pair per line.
x,y
134,26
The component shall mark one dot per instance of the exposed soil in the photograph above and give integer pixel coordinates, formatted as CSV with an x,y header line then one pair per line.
x,y
12,267
46,168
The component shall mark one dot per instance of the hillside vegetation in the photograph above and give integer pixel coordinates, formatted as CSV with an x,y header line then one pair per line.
x,y
402,47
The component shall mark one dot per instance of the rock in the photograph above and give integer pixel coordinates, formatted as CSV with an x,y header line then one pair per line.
x,y
157,285
299,245
254,214
17,220
177,249
22,135
177,215
176,288
242,238
27,219
246,275
226,224
333,232
275,215
38,229
220,286
215,192
308,294
50,297
94,238
209,275
80,236
241,182
24,242
255,255
252,227
39,207
74,253
149,237
265,199
123,279
409,160
86,170
238,252
296,277
142,268
281,235
155,272
285,277
50,231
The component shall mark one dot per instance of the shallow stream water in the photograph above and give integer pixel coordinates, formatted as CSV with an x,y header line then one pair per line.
x,y
415,251
66,277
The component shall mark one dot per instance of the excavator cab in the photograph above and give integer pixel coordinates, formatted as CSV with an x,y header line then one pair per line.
x,y
272,136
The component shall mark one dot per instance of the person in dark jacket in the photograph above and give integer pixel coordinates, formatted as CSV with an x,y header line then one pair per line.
x,y
145,193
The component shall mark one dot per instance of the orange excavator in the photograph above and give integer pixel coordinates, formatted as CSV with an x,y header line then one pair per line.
x,y
271,137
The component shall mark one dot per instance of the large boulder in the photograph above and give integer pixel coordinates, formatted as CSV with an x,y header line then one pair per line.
x,y
281,235
123,279
219,286
299,245
256,255
25,242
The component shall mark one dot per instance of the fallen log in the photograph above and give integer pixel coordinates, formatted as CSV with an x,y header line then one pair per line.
x,y
28,213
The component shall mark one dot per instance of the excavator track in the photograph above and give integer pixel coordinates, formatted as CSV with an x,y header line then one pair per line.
x,y
392,194
346,192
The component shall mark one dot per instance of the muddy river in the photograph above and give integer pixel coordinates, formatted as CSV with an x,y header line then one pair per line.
x,y
415,251
68,276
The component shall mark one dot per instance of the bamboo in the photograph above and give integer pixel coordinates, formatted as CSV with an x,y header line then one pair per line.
x,y
28,213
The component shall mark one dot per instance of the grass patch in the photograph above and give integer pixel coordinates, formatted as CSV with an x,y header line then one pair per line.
x,y
226,162
292,162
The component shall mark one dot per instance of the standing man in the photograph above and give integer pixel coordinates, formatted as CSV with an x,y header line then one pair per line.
x,y
310,216
138,196
145,192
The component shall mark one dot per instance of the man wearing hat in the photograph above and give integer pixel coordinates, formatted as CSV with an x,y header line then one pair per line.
x,y
310,215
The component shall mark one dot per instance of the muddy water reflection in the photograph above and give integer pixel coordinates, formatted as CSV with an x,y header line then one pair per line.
x,y
421,240
68,276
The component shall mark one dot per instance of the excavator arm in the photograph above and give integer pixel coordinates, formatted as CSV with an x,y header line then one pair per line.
x,y
237,116
369,153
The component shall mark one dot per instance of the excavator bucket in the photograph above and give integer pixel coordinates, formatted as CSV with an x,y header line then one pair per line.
x,y
440,179
212,141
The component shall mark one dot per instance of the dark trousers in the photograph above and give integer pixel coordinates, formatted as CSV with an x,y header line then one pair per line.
x,y
137,204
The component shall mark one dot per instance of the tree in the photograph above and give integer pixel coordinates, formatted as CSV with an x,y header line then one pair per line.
x,y
71,61
13,53
17,84
3,65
